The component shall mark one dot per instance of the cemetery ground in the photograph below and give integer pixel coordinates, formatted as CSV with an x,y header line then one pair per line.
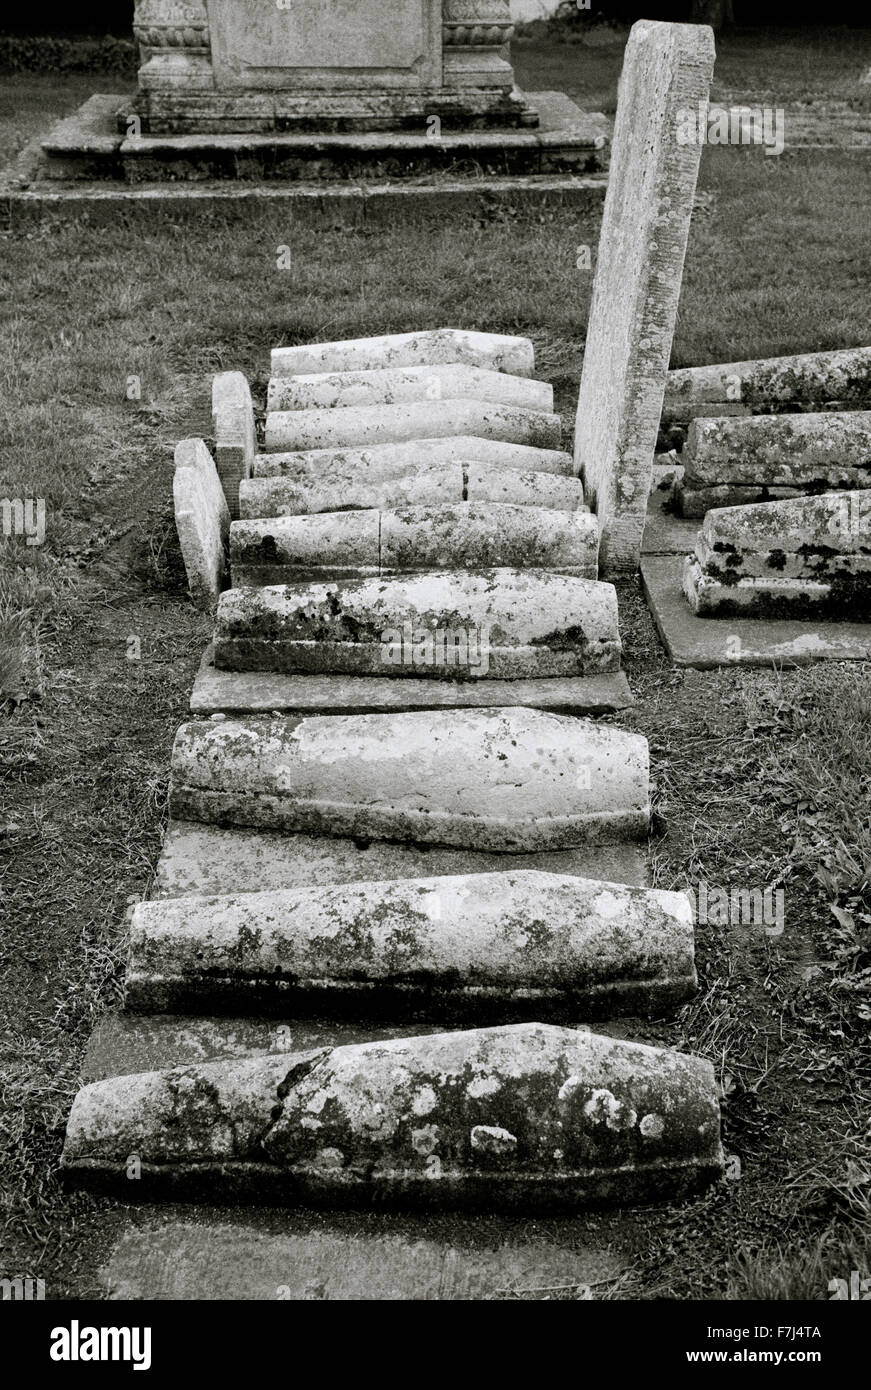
x,y
760,777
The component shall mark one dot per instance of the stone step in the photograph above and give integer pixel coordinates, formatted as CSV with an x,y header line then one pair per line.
x,y
526,1116
502,623
265,692
732,461
427,484
382,461
472,948
496,351
467,535
395,385
215,859
805,557
359,1256
358,426
508,779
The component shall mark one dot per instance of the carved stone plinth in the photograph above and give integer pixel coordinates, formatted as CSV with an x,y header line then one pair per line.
x,y
240,66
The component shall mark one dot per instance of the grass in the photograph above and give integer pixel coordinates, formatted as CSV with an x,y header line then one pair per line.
x,y
759,775
779,66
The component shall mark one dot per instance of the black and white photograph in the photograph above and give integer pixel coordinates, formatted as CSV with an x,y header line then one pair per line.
x,y
435,675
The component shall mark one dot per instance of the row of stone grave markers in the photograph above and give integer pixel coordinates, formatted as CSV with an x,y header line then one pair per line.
x,y
441,860
785,497
510,1107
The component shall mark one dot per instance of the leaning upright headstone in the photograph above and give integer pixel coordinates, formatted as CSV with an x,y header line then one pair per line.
x,y
667,70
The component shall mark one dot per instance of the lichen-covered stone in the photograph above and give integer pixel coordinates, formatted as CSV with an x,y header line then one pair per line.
x,y
233,427
202,520
804,557
504,779
514,943
526,1116
357,426
810,380
451,624
424,484
381,461
666,68
469,535
395,385
480,535
489,482
497,351
731,461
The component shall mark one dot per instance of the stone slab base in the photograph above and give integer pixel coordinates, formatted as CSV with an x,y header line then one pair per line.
x,y
375,1256
665,533
207,859
706,643
261,692
89,144
351,204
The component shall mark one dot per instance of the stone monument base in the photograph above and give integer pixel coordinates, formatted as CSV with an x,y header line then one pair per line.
x,y
93,143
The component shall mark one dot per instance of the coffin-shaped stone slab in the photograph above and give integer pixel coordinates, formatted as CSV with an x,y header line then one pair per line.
x,y
468,535
282,549
488,482
483,535
465,625
382,461
202,520
804,557
770,384
732,461
423,485
476,947
525,1116
506,779
496,351
394,385
358,426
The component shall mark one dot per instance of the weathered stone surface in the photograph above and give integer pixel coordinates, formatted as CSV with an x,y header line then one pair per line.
x,y
395,385
667,67
387,1257
216,691
202,520
709,642
481,946
426,484
809,556
472,535
809,380
357,426
507,779
527,1115
497,351
484,535
233,424
286,548
504,623
731,461
381,461
355,65
490,482
210,859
